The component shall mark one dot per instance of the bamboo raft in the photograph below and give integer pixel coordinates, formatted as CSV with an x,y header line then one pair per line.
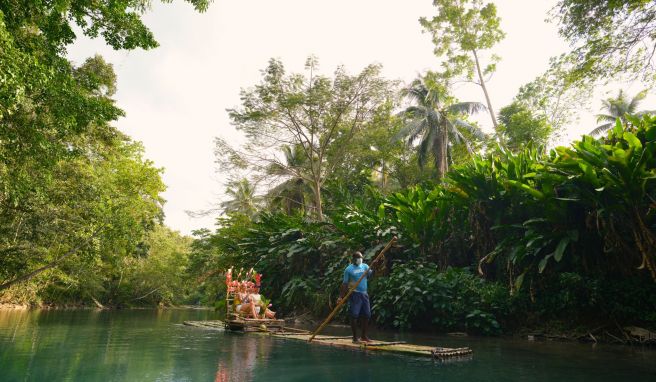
x,y
254,324
238,321
276,328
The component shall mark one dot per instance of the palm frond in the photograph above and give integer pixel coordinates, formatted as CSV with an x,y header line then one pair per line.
x,y
465,141
411,130
605,118
460,137
243,198
416,92
467,108
429,120
457,136
292,184
425,148
635,101
618,106
601,129
473,130
413,112
434,120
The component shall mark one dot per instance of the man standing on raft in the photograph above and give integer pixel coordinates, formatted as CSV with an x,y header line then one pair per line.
x,y
359,307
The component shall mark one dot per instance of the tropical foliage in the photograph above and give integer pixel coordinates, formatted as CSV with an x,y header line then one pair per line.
x,y
485,250
518,125
618,107
418,295
78,200
433,120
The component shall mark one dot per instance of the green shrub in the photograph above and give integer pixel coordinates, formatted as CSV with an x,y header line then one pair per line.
x,y
416,295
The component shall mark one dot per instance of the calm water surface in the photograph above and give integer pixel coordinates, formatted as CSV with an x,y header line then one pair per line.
x,y
150,345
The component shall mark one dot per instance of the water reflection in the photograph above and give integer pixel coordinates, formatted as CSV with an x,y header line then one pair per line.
x,y
241,357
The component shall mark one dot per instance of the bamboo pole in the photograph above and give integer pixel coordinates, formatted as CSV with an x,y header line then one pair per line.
x,y
341,303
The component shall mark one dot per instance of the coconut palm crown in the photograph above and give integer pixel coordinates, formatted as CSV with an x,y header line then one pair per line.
x,y
242,198
433,121
618,107
290,195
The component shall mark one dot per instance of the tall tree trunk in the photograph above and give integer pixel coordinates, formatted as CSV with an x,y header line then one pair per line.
x,y
445,151
487,96
316,187
442,163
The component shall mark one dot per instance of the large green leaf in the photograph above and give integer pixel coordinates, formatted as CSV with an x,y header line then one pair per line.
x,y
560,249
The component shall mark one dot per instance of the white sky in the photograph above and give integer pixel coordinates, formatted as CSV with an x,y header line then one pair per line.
x,y
175,96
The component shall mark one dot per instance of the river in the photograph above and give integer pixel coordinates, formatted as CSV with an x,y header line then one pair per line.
x,y
152,345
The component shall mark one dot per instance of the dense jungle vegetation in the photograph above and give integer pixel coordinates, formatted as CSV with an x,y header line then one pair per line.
x,y
497,230
80,207
506,239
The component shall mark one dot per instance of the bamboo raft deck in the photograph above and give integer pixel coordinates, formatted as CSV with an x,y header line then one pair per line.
x,y
254,324
275,328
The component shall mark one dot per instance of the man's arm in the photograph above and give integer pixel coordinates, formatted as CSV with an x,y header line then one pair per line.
x,y
344,287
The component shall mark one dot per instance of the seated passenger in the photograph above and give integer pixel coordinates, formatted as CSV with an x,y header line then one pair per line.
x,y
247,306
251,304
260,301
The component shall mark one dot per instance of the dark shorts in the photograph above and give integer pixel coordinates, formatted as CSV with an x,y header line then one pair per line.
x,y
359,305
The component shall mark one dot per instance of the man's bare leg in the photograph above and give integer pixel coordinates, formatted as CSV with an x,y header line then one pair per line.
x,y
364,324
253,311
354,329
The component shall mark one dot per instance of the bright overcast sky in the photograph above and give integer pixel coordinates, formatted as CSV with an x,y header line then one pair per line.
x,y
175,96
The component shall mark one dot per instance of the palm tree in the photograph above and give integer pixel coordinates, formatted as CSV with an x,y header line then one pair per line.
x,y
618,107
243,199
290,194
433,121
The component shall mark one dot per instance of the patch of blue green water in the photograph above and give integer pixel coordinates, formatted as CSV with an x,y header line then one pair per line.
x,y
152,345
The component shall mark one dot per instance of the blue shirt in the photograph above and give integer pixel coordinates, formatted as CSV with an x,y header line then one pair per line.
x,y
352,274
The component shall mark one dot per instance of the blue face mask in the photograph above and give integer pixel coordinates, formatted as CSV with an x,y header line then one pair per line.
x,y
358,262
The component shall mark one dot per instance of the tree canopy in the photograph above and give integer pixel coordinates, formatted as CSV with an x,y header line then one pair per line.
x,y
435,120
552,96
461,30
315,114
609,38
77,196
519,126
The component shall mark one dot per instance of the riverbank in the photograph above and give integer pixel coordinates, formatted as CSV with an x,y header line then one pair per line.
x,y
555,331
13,306
16,306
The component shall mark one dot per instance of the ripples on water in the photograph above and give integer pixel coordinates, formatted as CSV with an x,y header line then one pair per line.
x,y
152,345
